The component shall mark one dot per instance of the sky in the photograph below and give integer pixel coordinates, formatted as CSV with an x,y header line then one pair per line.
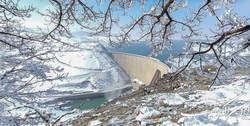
x,y
240,6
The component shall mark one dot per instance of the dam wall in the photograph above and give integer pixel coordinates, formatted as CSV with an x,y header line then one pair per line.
x,y
143,68
140,67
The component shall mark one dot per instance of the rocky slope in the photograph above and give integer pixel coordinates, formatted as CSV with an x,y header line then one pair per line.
x,y
190,103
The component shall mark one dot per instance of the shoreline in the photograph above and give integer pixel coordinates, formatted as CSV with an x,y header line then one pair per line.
x,y
82,96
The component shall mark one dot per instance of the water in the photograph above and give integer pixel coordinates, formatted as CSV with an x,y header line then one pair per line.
x,y
145,50
86,104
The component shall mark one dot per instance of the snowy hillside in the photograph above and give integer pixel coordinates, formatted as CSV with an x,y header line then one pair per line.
x,y
91,69
224,105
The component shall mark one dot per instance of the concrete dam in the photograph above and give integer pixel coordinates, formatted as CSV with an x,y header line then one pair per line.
x,y
139,67
145,69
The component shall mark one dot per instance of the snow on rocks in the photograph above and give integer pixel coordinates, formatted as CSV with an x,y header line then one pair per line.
x,y
230,106
168,123
171,99
147,112
201,120
95,123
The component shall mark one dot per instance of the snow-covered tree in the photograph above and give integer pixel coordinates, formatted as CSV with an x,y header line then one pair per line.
x,y
24,57
25,52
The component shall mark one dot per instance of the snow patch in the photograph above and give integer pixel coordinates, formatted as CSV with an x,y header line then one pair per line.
x,y
147,112
168,123
95,123
171,99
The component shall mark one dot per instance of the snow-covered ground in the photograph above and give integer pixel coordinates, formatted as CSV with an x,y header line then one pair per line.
x,y
230,105
227,104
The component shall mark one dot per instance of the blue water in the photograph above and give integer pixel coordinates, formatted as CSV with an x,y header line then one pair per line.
x,y
145,50
86,104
